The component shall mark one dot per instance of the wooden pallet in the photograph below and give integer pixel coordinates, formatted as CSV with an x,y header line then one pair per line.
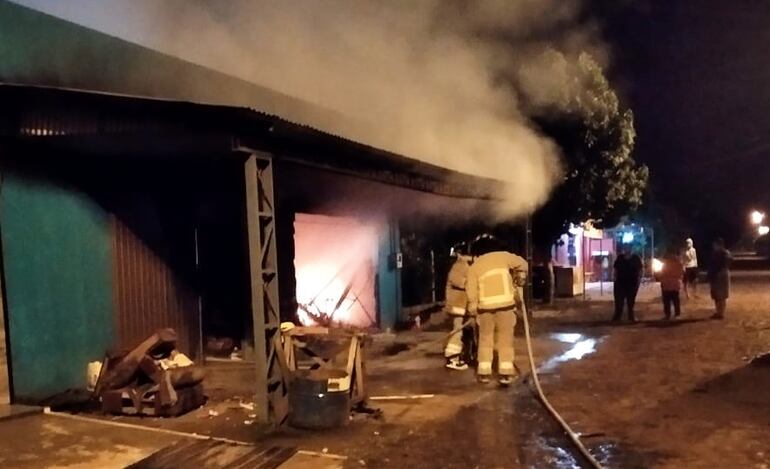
x,y
205,454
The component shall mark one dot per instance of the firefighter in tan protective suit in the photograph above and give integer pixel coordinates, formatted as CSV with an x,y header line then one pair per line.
x,y
492,288
456,307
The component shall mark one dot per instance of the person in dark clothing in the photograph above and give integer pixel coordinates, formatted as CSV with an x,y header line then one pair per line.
x,y
719,277
628,276
671,283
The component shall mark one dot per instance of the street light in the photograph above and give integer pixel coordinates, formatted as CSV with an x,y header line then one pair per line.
x,y
757,217
763,230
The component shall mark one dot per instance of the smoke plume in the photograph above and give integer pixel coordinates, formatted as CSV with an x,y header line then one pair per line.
x,y
436,80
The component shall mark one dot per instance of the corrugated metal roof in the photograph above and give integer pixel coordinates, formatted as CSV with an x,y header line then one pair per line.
x,y
65,115
40,49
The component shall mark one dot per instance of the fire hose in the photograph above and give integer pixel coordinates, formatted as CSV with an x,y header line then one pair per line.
x,y
538,391
574,437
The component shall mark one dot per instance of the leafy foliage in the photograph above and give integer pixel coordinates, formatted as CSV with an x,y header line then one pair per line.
x,y
601,179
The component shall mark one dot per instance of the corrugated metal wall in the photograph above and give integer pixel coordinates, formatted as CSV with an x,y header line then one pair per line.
x,y
148,294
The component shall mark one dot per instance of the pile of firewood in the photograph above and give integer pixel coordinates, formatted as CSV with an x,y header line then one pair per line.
x,y
152,379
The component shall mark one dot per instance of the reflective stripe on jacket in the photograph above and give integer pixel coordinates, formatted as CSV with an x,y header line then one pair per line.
x,y
490,283
456,298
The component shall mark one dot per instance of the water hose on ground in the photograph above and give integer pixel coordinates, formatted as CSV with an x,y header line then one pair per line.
x,y
539,391
465,324
574,438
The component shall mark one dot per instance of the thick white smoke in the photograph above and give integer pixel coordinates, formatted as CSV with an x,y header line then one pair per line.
x,y
432,79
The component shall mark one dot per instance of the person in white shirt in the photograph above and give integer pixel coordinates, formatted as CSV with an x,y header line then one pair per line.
x,y
690,261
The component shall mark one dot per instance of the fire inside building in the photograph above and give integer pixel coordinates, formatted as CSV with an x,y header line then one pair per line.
x,y
140,192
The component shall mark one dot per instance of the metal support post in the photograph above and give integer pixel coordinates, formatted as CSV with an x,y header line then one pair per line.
x,y
271,404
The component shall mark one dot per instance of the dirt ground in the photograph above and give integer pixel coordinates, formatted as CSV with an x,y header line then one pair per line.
x,y
405,433
681,393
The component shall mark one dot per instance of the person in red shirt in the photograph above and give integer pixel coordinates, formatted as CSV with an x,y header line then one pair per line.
x,y
671,283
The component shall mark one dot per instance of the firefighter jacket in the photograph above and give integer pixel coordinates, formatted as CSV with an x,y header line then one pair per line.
x,y
456,298
492,281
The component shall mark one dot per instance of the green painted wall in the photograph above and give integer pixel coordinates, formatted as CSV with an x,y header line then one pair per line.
x,y
388,277
56,256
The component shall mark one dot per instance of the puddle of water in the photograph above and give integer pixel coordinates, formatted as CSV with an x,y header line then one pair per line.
x,y
579,350
562,455
556,456
581,346
567,337
605,452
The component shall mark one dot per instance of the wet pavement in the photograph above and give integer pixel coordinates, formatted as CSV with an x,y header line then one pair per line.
x,y
507,428
580,346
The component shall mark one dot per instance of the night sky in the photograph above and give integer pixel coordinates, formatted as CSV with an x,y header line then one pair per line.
x,y
697,75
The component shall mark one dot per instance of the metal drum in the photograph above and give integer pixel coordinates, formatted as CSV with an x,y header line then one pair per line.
x,y
314,403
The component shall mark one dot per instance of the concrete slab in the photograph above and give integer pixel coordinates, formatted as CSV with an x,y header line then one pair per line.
x,y
9,411
50,441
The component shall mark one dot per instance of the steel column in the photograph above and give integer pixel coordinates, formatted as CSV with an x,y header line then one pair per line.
x,y
271,402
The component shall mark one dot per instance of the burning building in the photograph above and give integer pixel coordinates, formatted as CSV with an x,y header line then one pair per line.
x,y
132,200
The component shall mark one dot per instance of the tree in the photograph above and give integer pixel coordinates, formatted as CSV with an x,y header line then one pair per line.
x,y
601,180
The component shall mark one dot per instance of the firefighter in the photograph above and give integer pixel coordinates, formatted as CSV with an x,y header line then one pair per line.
x,y
456,304
492,288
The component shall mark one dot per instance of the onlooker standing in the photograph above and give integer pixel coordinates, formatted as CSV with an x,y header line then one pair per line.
x,y
628,276
671,283
719,277
690,258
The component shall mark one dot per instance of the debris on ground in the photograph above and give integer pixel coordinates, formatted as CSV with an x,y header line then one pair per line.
x,y
220,346
237,355
152,379
247,405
